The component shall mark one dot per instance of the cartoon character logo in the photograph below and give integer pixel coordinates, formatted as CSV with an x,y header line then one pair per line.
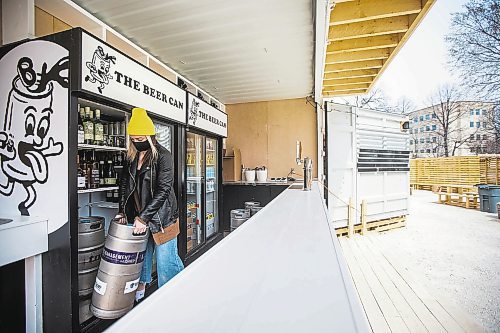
x,y
25,141
193,111
99,68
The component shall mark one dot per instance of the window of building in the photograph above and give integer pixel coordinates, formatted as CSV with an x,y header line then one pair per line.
x,y
422,140
421,150
427,117
411,142
434,127
422,129
484,124
478,136
484,112
434,116
427,128
478,112
433,150
485,137
471,112
428,150
415,120
478,124
471,124
421,118
428,140
434,139
471,138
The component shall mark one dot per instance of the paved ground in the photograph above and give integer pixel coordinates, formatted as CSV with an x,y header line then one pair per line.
x,y
454,251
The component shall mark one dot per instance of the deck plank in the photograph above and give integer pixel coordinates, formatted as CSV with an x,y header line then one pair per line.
x,y
372,310
449,322
418,306
391,314
411,320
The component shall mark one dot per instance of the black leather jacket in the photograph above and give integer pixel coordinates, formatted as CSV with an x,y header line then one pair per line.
x,y
157,195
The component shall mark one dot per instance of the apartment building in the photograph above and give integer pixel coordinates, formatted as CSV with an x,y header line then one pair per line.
x,y
468,128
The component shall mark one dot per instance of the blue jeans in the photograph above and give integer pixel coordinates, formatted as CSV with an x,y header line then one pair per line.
x,y
168,262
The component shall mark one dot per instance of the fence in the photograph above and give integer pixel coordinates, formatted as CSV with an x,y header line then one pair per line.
x,y
457,170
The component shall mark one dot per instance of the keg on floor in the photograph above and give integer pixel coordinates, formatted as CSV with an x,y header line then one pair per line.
x,y
90,245
254,210
250,204
119,271
238,217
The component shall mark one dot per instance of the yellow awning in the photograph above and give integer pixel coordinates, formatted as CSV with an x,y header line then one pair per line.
x,y
363,38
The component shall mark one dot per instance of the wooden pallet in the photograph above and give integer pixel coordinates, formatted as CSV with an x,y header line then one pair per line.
x,y
380,225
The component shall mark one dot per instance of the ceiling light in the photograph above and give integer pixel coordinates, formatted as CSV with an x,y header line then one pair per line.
x,y
182,62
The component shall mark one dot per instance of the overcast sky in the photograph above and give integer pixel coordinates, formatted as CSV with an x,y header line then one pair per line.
x,y
421,65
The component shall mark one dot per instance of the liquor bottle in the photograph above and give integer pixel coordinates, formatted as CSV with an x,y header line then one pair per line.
x,y
88,127
94,167
81,179
105,134
101,173
110,177
81,132
98,128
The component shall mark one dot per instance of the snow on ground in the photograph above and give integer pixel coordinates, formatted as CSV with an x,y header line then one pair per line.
x,y
452,250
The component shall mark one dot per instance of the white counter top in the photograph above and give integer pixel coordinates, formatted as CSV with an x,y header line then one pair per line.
x,y
24,237
281,271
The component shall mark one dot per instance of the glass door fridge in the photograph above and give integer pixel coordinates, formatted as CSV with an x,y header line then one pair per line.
x,y
211,201
194,187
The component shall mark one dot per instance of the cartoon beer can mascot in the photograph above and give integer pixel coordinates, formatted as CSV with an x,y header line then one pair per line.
x,y
25,140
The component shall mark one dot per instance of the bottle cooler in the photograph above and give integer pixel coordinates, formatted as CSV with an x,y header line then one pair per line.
x,y
119,271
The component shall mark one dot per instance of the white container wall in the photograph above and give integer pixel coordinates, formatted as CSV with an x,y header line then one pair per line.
x,y
368,159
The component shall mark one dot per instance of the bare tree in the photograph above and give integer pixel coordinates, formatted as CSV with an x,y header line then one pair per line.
x,y
474,46
493,130
448,111
373,100
403,106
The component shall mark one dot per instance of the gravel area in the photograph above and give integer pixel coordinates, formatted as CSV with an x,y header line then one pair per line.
x,y
454,251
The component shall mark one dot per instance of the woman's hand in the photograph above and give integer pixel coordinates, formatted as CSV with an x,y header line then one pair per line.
x,y
139,226
120,219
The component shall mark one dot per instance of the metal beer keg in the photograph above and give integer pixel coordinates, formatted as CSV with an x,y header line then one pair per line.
x,y
238,218
119,271
90,245
254,210
240,213
250,204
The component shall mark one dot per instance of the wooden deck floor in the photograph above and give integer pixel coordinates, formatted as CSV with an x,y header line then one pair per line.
x,y
392,299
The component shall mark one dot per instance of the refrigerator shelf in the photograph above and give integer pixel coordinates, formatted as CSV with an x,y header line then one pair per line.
x,y
100,189
97,147
103,204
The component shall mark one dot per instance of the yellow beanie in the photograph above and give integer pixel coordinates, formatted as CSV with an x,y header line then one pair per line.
x,y
140,123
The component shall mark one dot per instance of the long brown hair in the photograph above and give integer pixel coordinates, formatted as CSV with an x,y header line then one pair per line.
x,y
151,154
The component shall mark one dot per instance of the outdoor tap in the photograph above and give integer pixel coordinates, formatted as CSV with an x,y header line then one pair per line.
x,y
307,166
308,163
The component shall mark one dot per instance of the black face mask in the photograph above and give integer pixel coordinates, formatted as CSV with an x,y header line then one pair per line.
x,y
142,145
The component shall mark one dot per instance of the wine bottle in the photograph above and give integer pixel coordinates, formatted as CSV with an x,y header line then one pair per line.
x,y
94,172
81,131
81,179
101,173
88,127
98,128
110,178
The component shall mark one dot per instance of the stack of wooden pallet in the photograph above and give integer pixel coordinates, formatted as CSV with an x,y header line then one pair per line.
x,y
458,170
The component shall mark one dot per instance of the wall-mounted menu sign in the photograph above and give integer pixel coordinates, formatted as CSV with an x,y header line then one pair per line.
x,y
111,74
205,117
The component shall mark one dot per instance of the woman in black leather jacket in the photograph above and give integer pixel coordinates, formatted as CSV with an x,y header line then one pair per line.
x,y
147,199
